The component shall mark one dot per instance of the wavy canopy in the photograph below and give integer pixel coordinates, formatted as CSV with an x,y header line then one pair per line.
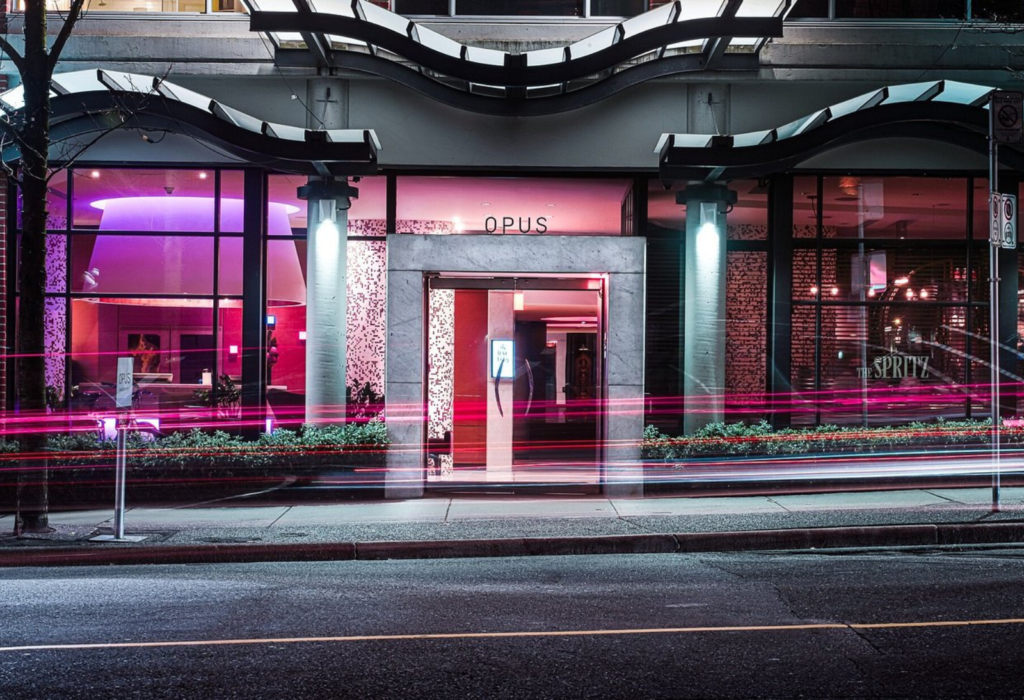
x,y
85,103
678,37
940,110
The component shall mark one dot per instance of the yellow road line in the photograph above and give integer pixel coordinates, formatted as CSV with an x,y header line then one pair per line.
x,y
503,635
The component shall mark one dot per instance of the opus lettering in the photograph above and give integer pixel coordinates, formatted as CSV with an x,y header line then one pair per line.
x,y
509,223
896,367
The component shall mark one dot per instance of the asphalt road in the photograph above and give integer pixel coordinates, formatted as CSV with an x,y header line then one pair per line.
x,y
747,625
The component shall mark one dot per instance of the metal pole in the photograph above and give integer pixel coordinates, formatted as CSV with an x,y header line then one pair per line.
x,y
120,472
993,323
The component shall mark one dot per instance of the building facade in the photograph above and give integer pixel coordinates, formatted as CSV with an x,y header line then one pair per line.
x,y
529,229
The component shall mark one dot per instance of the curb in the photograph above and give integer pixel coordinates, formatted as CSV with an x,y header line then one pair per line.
x,y
755,540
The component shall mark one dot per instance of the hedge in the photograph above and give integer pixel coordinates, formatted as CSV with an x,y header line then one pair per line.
x,y
740,439
309,446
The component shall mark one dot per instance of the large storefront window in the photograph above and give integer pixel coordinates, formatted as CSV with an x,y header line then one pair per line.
x,y
133,6
131,271
366,288
746,290
889,293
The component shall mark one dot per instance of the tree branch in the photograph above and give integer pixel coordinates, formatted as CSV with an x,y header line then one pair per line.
x,y
64,34
16,58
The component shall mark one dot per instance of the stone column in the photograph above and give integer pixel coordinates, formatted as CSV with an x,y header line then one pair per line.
x,y
500,326
703,303
326,272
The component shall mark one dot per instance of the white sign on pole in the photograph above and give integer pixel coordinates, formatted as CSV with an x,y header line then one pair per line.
x,y
1008,221
125,380
995,217
1007,116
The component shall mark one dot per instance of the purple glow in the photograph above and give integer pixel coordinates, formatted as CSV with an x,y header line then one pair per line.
x,y
181,265
193,214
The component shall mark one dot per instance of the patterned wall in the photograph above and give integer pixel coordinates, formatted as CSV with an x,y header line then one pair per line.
x,y
366,332
746,341
440,362
441,374
55,323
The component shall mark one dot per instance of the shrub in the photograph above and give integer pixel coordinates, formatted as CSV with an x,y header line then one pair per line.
x,y
740,439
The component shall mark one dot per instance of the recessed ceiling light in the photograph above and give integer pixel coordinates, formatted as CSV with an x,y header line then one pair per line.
x,y
94,173
551,205
202,176
485,204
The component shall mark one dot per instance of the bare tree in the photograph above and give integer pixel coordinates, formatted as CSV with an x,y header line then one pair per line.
x,y
29,131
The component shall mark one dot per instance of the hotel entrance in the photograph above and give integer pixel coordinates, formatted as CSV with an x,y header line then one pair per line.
x,y
515,383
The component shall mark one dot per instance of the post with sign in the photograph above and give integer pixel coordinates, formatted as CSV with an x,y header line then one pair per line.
x,y
1006,125
123,404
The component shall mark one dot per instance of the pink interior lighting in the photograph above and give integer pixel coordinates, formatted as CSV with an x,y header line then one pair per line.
x,y
183,266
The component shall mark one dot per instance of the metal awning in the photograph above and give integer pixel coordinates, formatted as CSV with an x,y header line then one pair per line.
x,y
941,110
690,36
93,101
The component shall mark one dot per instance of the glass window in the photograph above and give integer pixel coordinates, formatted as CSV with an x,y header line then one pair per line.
x,y
805,207
888,273
748,220
229,280
892,364
172,346
515,206
805,9
617,8
901,9
232,200
548,8
286,214
421,7
143,200
189,6
998,10
894,207
804,365
142,264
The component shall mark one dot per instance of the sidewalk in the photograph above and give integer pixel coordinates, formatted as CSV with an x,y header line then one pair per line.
x,y
476,526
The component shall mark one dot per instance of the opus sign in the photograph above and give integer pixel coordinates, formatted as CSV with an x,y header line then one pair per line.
x,y
515,224
896,367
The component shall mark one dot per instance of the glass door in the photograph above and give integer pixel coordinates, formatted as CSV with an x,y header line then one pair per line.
x,y
515,383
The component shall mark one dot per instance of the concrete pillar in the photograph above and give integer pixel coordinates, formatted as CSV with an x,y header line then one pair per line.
x,y
500,326
703,302
326,273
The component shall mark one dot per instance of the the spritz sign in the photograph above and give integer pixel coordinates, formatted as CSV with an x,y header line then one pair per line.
x,y
896,367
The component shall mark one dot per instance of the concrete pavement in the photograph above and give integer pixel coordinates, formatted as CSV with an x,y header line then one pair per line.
x,y
476,526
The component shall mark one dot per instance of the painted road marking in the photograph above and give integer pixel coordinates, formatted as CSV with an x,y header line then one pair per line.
x,y
503,635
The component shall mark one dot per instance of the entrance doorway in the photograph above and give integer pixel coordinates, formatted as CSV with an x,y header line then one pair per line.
x,y
515,383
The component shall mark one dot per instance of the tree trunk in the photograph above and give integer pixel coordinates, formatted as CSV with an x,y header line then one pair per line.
x,y
33,496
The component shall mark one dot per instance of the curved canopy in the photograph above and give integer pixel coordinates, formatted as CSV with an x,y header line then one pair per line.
x,y
939,110
92,102
358,35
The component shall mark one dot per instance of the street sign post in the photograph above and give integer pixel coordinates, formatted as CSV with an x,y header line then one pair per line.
x,y
1005,125
123,403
